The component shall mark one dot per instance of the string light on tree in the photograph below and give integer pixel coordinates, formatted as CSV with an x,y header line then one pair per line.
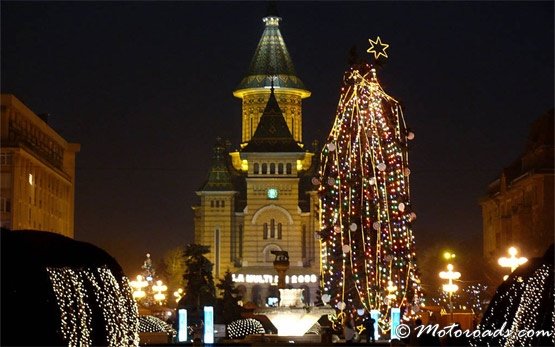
x,y
366,211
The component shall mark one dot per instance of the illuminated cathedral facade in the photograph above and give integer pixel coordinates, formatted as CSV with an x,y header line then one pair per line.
x,y
260,198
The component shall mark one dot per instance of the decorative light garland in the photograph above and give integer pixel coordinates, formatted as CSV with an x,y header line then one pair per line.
x,y
239,329
151,324
365,205
516,310
114,298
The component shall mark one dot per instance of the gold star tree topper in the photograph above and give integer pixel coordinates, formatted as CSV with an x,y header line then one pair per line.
x,y
377,48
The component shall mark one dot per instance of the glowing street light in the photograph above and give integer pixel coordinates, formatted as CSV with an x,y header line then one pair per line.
x,y
178,294
448,255
138,286
513,262
450,288
159,287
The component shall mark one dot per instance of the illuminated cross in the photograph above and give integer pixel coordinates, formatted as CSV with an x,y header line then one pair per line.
x,y
513,262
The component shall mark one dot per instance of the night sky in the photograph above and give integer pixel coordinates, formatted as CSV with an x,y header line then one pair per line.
x,y
146,87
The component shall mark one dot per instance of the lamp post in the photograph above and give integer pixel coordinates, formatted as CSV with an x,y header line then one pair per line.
x,y
512,262
178,294
138,285
450,288
159,287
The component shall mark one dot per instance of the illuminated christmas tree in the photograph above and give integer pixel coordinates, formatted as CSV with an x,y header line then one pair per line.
x,y
368,256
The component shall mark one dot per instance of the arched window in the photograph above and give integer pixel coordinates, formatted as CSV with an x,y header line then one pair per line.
x,y
289,168
217,203
279,231
303,242
273,229
256,168
265,231
272,168
280,168
211,203
264,168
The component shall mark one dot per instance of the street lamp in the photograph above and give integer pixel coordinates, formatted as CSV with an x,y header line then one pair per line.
x,y
159,287
449,255
178,294
450,288
138,286
513,262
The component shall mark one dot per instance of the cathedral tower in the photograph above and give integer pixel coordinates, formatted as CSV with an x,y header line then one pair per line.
x,y
271,63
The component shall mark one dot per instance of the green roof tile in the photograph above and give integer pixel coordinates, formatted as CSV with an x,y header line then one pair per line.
x,y
219,178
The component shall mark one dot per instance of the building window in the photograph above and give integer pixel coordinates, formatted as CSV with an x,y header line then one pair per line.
x,y
280,168
5,205
264,168
217,249
6,159
217,203
211,203
223,203
256,168
272,168
272,230
289,168
303,242
240,241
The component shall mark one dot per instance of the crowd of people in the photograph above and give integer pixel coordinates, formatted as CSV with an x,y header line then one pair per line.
x,y
419,336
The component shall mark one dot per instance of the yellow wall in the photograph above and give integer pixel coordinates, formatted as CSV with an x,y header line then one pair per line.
x,y
38,172
254,103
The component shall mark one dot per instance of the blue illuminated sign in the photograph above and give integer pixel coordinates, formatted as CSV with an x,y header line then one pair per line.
x,y
181,325
375,315
208,324
395,320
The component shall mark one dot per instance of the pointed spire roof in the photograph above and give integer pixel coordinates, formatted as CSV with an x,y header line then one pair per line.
x,y
271,58
272,133
219,178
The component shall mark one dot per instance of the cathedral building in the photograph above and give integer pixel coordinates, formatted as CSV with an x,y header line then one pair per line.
x,y
260,198
37,172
